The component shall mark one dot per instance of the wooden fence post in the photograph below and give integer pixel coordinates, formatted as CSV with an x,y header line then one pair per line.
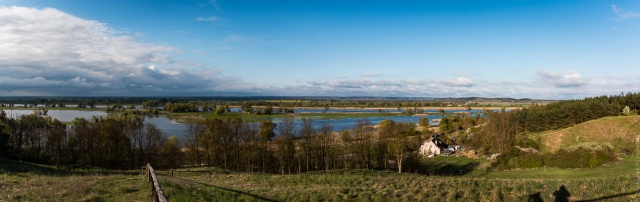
x,y
158,195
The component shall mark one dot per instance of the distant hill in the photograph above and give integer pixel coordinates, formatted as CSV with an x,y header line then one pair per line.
x,y
621,132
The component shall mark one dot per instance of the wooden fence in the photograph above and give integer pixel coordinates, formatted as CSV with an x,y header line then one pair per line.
x,y
158,195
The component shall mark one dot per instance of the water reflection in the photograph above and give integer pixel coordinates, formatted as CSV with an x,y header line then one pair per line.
x,y
61,115
166,125
171,127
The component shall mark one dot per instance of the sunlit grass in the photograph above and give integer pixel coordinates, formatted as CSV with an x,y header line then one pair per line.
x,y
365,185
33,182
617,132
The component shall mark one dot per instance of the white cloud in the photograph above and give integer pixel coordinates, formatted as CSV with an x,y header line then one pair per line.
x,y
569,79
462,81
370,75
209,19
621,14
239,39
546,85
367,87
49,51
214,3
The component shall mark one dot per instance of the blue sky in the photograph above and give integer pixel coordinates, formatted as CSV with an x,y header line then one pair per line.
x,y
519,49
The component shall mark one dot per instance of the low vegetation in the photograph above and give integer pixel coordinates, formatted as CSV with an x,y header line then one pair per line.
x,y
22,181
610,132
34,182
586,145
367,185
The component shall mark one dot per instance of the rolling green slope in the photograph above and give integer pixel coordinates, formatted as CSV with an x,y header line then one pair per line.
x,y
621,132
22,181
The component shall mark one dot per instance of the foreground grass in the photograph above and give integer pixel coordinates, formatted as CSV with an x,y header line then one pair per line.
x,y
363,185
33,182
614,182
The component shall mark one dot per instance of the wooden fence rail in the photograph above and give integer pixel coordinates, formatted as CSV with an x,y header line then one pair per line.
x,y
158,195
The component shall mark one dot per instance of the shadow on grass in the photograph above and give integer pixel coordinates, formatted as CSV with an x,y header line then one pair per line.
x,y
610,197
12,166
562,194
227,189
450,169
535,197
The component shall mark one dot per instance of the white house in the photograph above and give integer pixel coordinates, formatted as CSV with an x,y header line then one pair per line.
x,y
432,147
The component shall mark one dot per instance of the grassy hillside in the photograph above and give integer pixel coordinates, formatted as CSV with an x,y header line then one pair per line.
x,y
33,182
362,185
615,132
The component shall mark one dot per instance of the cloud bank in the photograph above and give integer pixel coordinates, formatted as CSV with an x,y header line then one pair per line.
x,y
46,51
569,79
462,81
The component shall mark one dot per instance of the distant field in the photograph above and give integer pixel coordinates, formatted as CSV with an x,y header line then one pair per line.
x,y
254,117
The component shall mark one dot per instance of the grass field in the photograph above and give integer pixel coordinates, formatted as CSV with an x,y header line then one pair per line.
x,y
33,182
616,132
364,185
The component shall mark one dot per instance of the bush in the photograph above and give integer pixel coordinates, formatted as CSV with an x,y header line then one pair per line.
x,y
579,158
515,158
424,122
529,143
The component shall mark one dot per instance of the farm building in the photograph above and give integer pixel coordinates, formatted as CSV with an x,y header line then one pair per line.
x,y
432,147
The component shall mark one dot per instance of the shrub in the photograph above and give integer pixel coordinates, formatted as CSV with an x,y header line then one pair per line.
x,y
579,158
515,158
528,143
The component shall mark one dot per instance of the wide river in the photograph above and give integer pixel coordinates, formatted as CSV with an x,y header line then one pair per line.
x,y
171,127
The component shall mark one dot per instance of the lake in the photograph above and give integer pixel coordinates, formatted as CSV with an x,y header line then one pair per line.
x,y
168,126
171,127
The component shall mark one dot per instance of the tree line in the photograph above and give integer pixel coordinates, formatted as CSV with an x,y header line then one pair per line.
x,y
118,141
286,147
503,130
124,141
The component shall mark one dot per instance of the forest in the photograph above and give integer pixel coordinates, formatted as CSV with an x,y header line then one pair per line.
x,y
124,141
